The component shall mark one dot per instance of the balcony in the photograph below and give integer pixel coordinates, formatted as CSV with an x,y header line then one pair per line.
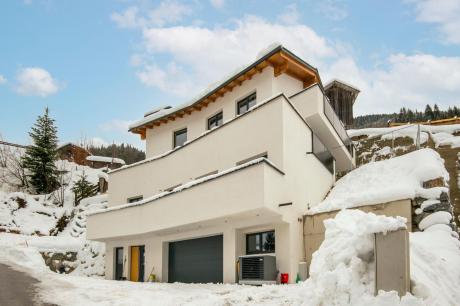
x,y
248,191
314,106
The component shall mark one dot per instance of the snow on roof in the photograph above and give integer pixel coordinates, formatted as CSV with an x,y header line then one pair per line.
x,y
387,180
342,82
105,159
157,109
214,86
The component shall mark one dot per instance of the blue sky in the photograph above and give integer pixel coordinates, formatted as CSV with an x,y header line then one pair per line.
x,y
99,65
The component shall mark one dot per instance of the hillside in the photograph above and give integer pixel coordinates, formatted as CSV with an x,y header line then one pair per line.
x,y
374,144
56,230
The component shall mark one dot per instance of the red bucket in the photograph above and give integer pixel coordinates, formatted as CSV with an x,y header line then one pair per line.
x,y
284,279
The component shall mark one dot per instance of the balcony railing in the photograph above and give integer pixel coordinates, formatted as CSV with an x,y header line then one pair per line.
x,y
323,154
337,125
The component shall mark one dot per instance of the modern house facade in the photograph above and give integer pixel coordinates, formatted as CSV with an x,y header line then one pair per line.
x,y
229,174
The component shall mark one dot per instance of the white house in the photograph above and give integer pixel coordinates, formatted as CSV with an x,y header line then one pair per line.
x,y
230,173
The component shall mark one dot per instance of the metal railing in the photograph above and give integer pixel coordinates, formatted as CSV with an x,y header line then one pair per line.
x,y
337,125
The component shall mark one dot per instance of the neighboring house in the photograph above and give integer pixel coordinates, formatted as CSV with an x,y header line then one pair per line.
x,y
73,153
228,174
98,162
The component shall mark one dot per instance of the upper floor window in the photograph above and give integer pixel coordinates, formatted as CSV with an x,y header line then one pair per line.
x,y
245,104
215,120
180,137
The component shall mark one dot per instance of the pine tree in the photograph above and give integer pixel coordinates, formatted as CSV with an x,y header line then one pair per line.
x,y
83,189
436,112
428,112
39,158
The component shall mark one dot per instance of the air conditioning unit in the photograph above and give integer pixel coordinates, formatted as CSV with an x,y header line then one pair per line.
x,y
257,269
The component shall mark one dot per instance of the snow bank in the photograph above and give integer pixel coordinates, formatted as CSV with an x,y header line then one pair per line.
x,y
388,180
435,266
446,139
342,269
441,134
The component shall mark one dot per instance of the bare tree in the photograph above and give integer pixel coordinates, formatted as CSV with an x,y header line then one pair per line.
x,y
64,178
12,173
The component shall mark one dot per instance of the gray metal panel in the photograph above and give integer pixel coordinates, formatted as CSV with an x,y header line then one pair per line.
x,y
196,260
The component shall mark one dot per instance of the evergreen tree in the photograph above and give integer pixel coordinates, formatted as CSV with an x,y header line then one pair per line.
x,y
39,158
428,112
436,113
83,189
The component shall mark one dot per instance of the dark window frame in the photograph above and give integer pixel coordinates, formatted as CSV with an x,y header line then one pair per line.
x,y
175,134
135,199
215,118
260,234
246,101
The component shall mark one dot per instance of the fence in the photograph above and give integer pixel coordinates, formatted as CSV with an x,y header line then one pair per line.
x,y
393,142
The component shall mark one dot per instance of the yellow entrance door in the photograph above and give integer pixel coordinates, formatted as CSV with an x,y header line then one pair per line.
x,y
134,275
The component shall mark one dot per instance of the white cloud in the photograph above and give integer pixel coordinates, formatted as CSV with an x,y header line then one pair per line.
x,y
97,142
403,80
35,81
291,15
116,125
217,3
201,55
332,9
444,13
2,79
167,12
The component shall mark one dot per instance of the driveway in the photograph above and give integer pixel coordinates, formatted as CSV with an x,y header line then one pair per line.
x,y
17,288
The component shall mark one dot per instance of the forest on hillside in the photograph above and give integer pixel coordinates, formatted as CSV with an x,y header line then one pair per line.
x,y
127,152
405,115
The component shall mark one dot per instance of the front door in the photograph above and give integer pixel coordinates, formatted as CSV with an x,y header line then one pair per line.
x,y
118,263
137,263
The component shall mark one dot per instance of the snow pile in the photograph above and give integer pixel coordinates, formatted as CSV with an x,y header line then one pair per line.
x,y
342,270
387,180
435,266
446,139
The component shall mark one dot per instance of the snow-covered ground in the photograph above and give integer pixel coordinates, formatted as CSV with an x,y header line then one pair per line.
x,y
341,274
442,135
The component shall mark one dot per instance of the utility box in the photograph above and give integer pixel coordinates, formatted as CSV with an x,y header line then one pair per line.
x,y
392,262
257,269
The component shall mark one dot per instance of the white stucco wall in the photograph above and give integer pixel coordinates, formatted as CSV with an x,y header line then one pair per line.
x,y
160,139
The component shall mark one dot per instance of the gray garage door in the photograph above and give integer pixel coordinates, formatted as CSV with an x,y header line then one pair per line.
x,y
196,260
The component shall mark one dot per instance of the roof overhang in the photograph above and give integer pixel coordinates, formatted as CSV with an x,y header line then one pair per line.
x,y
282,61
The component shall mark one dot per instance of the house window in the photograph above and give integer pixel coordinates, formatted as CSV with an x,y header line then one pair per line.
x,y
135,199
215,120
245,104
180,137
260,243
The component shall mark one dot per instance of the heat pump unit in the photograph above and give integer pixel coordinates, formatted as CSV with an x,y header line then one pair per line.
x,y
257,269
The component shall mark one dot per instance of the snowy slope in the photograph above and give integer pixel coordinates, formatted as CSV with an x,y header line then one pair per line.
x,y
387,180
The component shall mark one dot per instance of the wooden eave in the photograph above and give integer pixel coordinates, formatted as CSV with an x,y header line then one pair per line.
x,y
281,60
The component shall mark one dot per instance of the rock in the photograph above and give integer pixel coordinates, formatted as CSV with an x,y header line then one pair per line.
x,y
440,206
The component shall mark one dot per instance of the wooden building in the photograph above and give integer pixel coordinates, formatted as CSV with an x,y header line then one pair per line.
x,y
98,162
73,153
342,97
